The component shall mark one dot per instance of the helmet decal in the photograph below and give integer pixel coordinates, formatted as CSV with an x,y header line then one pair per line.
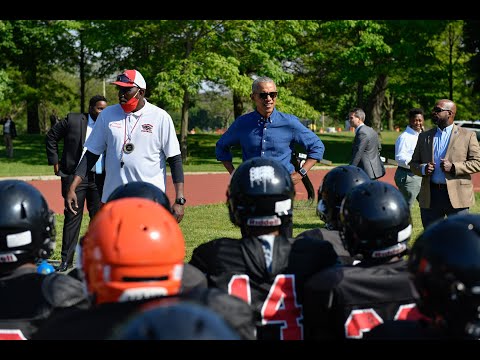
x,y
19,239
262,175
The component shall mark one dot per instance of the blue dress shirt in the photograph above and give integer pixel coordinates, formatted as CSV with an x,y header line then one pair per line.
x,y
273,138
440,145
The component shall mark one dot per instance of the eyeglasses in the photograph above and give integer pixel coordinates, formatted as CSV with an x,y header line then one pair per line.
x,y
437,109
264,95
125,79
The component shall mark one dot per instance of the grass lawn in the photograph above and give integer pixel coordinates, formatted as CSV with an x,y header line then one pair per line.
x,y
205,222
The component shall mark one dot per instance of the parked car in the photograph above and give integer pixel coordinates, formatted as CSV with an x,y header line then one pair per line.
x,y
473,125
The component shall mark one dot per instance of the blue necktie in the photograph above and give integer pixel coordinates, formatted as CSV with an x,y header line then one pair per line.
x,y
267,249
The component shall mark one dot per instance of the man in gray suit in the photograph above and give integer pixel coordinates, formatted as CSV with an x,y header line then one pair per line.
x,y
445,156
366,146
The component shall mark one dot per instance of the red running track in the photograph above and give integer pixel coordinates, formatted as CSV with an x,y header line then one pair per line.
x,y
206,188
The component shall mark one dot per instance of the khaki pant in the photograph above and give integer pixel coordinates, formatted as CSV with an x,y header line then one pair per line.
x,y
8,144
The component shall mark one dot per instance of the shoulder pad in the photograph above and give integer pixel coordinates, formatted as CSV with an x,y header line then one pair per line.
x,y
62,291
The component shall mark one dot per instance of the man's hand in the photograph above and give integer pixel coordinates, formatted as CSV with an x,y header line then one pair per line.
x,y
178,211
296,177
429,168
71,199
446,165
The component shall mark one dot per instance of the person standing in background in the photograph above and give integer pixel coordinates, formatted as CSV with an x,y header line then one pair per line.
x,y
366,146
74,130
9,133
139,138
445,156
407,182
267,132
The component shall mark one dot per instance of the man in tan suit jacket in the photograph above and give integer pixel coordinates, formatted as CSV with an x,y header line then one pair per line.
x,y
445,157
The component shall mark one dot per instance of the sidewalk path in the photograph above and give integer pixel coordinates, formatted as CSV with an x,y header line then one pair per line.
x,y
200,188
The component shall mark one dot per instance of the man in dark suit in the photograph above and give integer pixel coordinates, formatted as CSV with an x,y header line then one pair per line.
x,y
366,146
445,156
74,130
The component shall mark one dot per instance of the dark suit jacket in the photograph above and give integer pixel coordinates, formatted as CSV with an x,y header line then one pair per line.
x,y
72,130
463,151
366,152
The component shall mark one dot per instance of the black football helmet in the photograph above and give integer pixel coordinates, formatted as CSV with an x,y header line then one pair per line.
x,y
179,321
141,189
27,225
375,221
260,193
335,185
445,267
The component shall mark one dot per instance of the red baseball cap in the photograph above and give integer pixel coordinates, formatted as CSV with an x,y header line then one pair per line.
x,y
131,78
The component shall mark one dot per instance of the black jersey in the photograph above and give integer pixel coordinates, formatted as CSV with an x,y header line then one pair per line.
x,y
347,301
239,267
333,237
101,321
406,330
27,299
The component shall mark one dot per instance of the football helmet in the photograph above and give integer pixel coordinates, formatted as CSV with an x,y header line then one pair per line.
x,y
445,266
27,225
180,321
260,193
375,221
133,249
335,185
141,189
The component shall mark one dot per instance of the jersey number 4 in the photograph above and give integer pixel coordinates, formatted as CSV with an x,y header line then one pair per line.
x,y
280,306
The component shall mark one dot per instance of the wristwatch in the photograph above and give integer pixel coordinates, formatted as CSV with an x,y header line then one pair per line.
x,y
180,201
302,172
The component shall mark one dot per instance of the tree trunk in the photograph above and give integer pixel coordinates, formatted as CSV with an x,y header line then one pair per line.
x,y
376,101
184,125
82,73
389,105
33,121
237,104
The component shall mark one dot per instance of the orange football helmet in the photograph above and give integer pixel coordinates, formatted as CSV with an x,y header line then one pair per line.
x,y
133,249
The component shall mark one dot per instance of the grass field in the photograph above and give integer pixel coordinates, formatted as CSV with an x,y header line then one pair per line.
x,y
205,222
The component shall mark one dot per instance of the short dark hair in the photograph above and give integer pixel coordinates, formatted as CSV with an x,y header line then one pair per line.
x,y
414,112
95,99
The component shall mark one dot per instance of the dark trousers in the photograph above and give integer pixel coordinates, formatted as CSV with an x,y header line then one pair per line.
x,y
89,191
440,206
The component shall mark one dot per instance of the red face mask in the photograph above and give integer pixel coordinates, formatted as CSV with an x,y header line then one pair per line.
x,y
131,104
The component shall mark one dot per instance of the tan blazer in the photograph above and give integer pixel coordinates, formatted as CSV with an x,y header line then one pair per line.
x,y
463,151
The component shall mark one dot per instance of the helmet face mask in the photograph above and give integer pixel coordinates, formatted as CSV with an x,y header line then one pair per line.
x,y
375,221
133,249
260,193
27,225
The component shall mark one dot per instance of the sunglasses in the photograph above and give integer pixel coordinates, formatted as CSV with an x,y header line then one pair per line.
x,y
264,96
125,79
437,109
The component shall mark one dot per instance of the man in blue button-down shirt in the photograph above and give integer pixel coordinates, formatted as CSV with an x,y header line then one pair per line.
x,y
267,132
